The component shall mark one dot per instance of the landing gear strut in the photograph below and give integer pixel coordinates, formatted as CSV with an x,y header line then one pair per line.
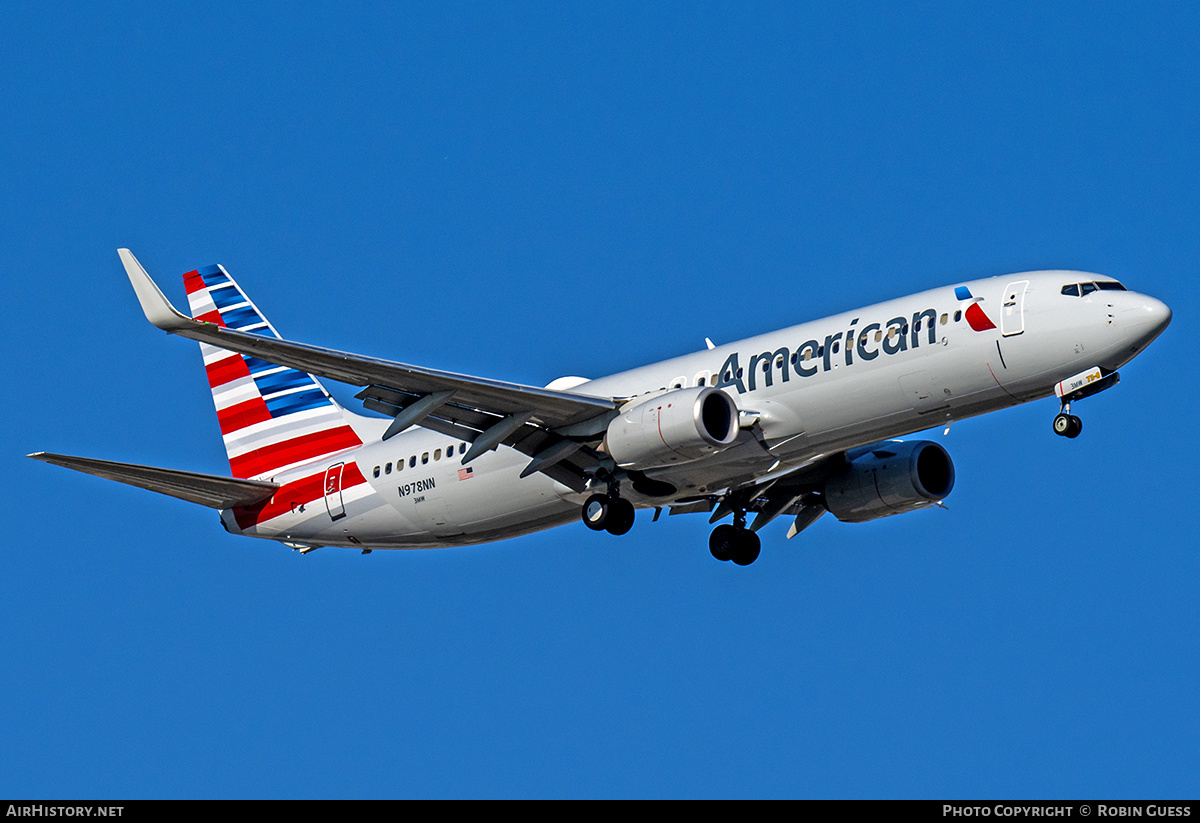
x,y
735,542
608,512
1084,384
1067,424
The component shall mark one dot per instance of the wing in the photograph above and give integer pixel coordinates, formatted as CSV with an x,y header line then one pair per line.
x,y
550,426
210,490
795,493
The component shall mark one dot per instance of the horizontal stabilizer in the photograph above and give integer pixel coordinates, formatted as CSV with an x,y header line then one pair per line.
x,y
210,490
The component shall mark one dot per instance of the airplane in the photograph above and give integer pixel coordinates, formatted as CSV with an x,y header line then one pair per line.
x,y
795,423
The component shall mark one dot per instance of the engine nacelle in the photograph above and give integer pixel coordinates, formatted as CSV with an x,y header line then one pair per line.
x,y
673,428
890,478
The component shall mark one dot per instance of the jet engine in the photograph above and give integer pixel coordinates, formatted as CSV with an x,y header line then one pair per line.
x,y
673,428
890,478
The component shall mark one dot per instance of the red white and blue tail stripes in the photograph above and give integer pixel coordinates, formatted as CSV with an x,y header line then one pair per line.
x,y
272,417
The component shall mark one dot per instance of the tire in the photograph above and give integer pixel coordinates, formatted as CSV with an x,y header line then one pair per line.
x,y
1062,425
620,517
1076,428
596,512
721,541
746,547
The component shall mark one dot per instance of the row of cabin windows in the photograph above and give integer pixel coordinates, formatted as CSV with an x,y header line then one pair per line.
x,y
892,333
425,458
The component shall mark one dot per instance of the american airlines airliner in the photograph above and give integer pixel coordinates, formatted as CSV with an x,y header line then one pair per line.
x,y
794,423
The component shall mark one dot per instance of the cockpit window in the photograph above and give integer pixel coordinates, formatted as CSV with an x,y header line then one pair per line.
x,y
1080,289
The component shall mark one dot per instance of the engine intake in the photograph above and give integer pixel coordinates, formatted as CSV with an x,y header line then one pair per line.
x,y
673,428
890,478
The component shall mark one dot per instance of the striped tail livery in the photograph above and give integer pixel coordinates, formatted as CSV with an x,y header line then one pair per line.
x,y
272,418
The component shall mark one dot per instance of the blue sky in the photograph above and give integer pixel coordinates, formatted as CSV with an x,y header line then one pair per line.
x,y
523,191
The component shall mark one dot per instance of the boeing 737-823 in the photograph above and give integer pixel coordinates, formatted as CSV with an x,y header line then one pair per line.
x,y
792,423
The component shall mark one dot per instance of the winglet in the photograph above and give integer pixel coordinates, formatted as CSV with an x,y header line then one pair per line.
x,y
158,309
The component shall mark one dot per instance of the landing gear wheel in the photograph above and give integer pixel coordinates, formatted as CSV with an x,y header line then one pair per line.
x,y
1062,424
1076,427
746,547
620,516
732,543
595,512
722,541
1067,425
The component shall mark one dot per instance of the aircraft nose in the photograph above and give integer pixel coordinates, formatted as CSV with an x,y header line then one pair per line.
x,y
1147,319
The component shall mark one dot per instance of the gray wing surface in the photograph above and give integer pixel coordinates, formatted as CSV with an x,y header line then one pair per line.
x,y
485,412
210,490
551,409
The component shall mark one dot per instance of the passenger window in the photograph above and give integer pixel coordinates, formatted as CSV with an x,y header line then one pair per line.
x,y
412,461
424,458
437,454
450,451
462,448
387,469
878,336
958,315
376,471
1071,290
700,382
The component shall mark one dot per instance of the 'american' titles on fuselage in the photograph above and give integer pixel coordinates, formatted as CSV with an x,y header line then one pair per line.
x,y
889,338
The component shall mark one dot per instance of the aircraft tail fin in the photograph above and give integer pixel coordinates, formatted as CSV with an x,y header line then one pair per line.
x,y
272,417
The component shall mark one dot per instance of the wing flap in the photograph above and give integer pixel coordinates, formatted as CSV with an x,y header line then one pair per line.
x,y
210,490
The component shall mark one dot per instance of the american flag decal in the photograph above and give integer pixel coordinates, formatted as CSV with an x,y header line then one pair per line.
x,y
466,474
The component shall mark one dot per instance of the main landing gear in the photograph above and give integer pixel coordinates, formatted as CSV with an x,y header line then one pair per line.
x,y
1067,424
735,542
611,513
608,512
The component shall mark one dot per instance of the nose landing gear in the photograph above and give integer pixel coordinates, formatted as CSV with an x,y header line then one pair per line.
x,y
1084,384
1067,424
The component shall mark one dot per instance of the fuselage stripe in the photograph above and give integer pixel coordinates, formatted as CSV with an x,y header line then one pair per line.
x,y
302,492
296,450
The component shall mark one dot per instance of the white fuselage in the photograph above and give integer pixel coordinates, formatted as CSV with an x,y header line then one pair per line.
x,y
809,392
